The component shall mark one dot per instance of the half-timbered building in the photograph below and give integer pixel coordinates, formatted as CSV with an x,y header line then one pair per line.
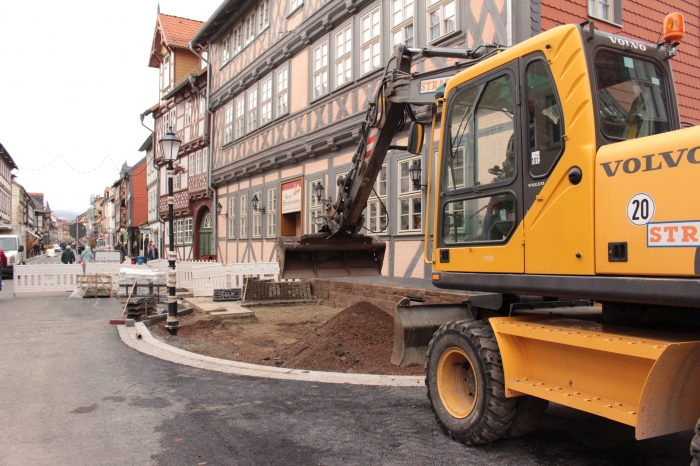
x,y
290,82
182,107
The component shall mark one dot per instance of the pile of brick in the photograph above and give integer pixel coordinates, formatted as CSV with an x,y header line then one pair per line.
x,y
343,294
267,290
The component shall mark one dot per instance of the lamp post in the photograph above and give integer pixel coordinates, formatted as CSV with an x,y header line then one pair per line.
x,y
169,147
414,172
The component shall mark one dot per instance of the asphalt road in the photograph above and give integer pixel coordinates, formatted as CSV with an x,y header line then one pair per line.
x,y
73,393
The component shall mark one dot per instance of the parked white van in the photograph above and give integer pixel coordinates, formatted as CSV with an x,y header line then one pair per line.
x,y
14,251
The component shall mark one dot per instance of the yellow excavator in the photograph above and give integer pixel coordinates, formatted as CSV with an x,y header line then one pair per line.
x,y
563,194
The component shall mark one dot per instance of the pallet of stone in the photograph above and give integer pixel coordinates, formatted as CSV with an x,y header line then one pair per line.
x,y
233,294
95,285
139,306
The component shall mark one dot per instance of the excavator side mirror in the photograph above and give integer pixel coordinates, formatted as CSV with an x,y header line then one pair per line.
x,y
416,134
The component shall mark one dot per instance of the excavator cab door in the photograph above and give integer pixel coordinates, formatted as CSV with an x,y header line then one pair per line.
x,y
480,206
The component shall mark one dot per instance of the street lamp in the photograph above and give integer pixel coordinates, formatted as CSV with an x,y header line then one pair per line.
x,y
414,172
169,147
255,201
218,208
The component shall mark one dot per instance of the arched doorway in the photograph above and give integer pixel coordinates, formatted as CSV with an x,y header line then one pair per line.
x,y
205,233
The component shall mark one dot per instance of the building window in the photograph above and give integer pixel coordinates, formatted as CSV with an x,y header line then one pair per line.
x,y
294,4
441,18
264,15
240,116
377,203
198,163
228,124
402,22
252,108
238,39
165,75
189,232
173,118
272,212
282,91
266,100
179,231
176,182
231,217
343,56
188,112
244,216
370,46
205,161
606,10
321,69
250,29
257,217
410,201
191,164
225,50
315,208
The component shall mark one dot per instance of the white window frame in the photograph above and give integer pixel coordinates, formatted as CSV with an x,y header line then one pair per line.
x,y
439,6
250,33
173,118
188,112
315,207
228,123
205,159
232,217
374,201
198,163
165,74
402,13
225,50
271,212
370,45
294,5
264,15
614,14
252,109
240,116
243,216
191,165
408,195
266,100
176,182
320,69
180,232
343,56
188,234
237,40
282,91
257,217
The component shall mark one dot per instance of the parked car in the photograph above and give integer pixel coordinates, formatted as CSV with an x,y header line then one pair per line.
x,y
57,248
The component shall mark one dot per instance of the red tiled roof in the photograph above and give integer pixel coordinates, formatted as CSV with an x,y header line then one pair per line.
x,y
176,31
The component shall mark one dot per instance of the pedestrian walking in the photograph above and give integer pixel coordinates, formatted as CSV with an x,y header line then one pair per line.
x,y
3,265
87,255
152,251
68,257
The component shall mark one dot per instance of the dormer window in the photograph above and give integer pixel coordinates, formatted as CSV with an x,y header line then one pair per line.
x,y
165,73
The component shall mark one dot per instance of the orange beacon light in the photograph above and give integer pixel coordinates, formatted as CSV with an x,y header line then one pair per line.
x,y
674,28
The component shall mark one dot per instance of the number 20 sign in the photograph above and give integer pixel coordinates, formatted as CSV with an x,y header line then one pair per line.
x,y
640,209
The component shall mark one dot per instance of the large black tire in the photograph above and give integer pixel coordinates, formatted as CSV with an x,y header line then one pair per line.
x,y
528,415
463,365
695,446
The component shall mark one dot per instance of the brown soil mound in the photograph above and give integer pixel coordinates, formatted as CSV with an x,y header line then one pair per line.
x,y
358,339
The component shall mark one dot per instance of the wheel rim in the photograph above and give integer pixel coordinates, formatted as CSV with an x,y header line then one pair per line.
x,y
456,383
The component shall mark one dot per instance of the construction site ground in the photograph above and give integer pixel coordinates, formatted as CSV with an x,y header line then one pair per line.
x,y
310,336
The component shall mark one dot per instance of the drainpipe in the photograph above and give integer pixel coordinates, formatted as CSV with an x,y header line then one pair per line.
x,y
210,131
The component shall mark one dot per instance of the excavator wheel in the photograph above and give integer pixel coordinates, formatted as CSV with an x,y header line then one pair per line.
x,y
528,415
464,376
695,446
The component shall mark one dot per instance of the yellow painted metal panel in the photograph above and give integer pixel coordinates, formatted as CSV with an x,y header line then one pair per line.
x,y
666,167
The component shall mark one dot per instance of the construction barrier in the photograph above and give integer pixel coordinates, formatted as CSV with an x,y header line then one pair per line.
x,y
45,278
207,278
263,270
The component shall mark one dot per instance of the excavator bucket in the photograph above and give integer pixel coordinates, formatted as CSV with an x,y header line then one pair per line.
x,y
414,327
317,256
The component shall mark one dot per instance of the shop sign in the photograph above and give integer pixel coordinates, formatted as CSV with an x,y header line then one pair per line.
x,y
291,197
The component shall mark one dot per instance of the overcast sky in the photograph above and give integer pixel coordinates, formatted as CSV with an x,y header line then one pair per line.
x,y
74,80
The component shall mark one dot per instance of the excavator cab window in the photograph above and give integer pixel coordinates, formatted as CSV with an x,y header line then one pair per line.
x,y
544,120
481,156
632,100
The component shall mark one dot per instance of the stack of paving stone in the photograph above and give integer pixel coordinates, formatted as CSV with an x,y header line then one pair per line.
x,y
268,290
138,307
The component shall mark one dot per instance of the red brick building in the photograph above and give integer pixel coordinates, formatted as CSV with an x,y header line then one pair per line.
x,y
642,19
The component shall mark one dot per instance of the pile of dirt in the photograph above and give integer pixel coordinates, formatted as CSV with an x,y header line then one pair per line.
x,y
311,337
359,339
